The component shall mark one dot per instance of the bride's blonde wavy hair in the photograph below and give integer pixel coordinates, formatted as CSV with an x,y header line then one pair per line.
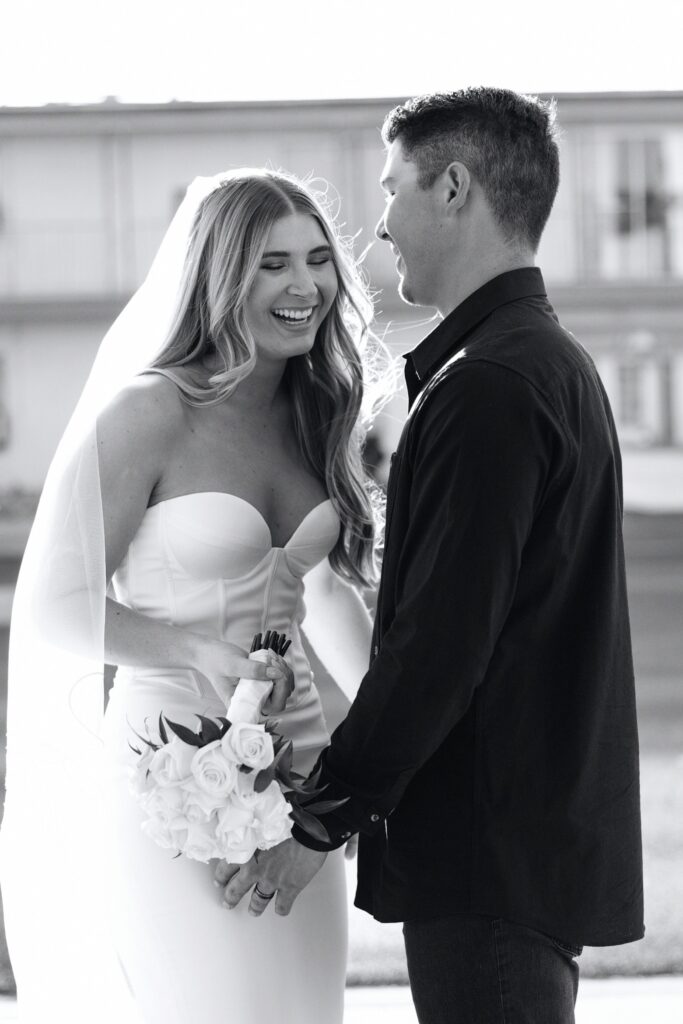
x,y
336,388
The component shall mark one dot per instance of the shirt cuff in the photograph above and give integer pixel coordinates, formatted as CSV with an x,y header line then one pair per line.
x,y
341,825
306,839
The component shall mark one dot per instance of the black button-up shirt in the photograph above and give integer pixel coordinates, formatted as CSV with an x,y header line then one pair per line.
x,y
491,754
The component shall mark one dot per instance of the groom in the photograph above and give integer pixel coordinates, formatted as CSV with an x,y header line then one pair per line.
x,y
490,757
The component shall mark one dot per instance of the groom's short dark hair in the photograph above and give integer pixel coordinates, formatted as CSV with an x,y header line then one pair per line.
x,y
507,141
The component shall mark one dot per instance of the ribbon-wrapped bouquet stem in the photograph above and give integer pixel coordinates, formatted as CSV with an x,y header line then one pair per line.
x,y
228,789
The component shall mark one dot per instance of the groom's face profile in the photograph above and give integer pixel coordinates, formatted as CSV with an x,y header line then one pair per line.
x,y
410,223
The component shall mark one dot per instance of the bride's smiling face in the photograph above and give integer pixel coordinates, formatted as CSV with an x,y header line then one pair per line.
x,y
294,288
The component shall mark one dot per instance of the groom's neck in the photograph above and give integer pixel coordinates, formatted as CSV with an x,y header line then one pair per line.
x,y
467,278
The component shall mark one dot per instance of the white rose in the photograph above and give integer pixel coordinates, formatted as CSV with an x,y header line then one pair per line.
x,y
273,823
200,844
165,803
235,833
199,806
159,832
173,762
213,772
164,834
250,744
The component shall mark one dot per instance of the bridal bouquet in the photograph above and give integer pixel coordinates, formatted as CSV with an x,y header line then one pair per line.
x,y
227,789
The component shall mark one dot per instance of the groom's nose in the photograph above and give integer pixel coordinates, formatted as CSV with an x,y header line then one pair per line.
x,y
381,231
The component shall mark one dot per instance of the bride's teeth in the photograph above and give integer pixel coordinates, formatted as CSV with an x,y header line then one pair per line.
x,y
293,314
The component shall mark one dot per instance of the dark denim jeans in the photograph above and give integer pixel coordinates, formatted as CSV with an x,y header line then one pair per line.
x,y
469,969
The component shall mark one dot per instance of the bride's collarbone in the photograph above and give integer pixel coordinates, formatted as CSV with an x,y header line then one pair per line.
x,y
260,461
265,471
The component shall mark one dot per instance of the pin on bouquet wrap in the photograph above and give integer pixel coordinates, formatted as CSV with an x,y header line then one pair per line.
x,y
227,789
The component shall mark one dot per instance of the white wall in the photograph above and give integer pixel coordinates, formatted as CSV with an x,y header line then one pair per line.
x,y
45,369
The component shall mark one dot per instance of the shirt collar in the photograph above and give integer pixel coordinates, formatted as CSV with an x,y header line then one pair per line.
x,y
423,361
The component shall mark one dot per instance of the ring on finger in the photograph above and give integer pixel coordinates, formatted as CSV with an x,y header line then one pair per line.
x,y
263,895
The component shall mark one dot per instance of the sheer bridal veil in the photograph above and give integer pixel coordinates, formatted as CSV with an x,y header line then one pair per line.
x,y
53,861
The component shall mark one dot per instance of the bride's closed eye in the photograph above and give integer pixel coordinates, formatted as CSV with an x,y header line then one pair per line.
x,y
319,261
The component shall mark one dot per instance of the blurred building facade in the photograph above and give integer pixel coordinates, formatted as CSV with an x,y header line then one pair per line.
x,y
87,192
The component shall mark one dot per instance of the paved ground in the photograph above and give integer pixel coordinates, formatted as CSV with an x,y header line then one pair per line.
x,y
614,1001
656,1000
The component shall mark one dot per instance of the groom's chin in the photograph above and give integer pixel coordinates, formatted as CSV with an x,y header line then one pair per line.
x,y
404,290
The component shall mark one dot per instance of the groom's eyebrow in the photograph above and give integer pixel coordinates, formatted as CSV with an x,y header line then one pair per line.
x,y
283,252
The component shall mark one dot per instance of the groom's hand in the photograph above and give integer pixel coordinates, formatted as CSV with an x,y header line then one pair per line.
x,y
285,870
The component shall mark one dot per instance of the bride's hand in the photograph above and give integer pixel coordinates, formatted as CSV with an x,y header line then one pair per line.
x,y
224,664
283,685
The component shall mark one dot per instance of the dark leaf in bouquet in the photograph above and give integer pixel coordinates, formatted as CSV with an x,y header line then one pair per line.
x,y
134,749
283,757
144,739
264,779
303,796
310,824
184,734
162,729
225,725
325,806
286,779
209,731
246,769
311,784
294,797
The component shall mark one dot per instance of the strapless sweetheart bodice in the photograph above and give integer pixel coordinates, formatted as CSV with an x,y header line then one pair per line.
x,y
200,559
205,562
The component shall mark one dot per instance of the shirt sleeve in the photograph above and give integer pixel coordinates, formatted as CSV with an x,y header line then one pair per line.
x,y
481,457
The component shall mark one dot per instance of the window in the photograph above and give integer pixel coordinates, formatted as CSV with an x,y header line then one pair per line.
x,y
639,233
630,394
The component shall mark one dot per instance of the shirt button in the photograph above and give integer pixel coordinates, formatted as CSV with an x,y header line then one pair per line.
x,y
374,817
375,650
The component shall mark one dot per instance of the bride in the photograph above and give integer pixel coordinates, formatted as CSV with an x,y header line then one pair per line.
x,y
212,465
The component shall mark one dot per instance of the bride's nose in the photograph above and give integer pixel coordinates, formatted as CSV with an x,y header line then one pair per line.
x,y
302,283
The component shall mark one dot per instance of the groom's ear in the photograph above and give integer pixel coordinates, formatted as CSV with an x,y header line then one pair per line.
x,y
456,185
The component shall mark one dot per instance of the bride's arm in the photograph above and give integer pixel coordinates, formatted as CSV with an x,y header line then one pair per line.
x,y
338,626
137,437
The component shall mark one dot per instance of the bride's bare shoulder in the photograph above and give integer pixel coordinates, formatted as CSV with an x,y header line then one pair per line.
x,y
150,409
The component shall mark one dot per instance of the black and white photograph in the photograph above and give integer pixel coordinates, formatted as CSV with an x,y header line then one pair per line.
x,y
341,513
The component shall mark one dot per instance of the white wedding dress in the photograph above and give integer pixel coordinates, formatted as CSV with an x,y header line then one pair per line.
x,y
205,562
